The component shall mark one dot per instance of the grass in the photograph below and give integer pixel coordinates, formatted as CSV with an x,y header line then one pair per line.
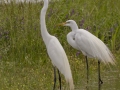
x,y
24,64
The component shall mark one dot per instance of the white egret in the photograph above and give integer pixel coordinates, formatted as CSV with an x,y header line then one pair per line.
x,y
55,51
89,45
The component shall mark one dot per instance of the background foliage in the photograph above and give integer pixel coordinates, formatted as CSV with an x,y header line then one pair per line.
x,y
24,64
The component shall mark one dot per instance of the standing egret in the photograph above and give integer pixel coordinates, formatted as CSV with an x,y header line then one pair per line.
x,y
55,51
89,45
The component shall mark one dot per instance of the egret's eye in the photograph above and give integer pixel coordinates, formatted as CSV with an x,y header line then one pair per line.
x,y
67,22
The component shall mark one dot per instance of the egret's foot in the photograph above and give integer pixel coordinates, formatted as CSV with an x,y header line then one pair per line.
x,y
100,81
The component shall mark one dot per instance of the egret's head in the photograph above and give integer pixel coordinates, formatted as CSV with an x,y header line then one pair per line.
x,y
70,23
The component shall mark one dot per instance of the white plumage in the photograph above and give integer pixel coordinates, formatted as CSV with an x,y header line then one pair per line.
x,y
55,49
89,45
59,59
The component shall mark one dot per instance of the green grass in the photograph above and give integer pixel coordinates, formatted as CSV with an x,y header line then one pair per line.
x,y
24,63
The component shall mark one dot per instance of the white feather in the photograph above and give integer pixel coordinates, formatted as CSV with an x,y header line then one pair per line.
x,y
59,59
55,49
90,45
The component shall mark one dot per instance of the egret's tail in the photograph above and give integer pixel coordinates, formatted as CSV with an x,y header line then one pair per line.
x,y
111,58
70,81
107,56
102,52
66,71
68,77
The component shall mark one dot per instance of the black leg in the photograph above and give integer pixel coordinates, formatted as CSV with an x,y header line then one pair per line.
x,y
59,79
54,78
99,87
99,77
87,69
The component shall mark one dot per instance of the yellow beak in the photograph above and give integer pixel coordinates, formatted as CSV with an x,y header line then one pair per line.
x,y
62,24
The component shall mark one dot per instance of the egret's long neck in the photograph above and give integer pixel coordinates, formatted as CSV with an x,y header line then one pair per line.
x,y
74,27
44,32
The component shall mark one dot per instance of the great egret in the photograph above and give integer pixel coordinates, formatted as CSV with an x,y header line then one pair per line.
x,y
89,45
55,51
